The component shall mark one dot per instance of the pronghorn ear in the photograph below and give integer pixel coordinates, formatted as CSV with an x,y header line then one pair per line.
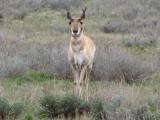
x,y
83,13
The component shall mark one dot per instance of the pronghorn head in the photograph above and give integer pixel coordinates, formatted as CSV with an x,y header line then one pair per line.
x,y
76,24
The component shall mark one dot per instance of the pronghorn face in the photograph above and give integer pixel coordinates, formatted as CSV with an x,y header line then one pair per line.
x,y
76,27
76,24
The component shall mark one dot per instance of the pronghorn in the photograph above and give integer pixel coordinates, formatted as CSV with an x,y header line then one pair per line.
x,y
80,54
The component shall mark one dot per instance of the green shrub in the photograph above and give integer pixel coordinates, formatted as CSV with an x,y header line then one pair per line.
x,y
152,116
51,106
15,110
139,112
97,110
4,108
54,106
8,111
70,106
28,117
71,103
142,112
84,106
145,112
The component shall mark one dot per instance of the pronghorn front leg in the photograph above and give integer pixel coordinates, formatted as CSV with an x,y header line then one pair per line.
x,y
81,79
76,79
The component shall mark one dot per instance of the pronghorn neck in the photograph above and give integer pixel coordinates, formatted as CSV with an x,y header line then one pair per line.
x,y
77,44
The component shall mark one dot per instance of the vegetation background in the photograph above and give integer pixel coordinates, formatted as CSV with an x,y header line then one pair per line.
x,y
34,37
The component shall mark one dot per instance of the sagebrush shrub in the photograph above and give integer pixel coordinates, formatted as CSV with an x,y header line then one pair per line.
x,y
20,14
111,63
140,41
116,26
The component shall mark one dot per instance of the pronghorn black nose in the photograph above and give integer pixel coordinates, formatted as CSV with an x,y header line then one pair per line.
x,y
75,31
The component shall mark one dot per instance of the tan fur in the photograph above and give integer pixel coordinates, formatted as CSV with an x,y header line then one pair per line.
x,y
80,55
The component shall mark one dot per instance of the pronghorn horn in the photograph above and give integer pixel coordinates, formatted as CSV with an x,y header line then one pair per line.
x,y
68,15
83,13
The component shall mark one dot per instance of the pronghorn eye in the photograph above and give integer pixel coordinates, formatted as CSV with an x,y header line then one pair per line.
x,y
69,22
81,22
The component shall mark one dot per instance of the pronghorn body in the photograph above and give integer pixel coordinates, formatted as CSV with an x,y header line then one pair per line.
x,y
80,55
81,51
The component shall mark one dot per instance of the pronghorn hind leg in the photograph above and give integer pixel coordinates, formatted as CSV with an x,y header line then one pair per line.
x,y
76,82
87,80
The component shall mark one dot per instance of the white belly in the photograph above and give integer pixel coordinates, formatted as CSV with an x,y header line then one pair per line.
x,y
79,58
